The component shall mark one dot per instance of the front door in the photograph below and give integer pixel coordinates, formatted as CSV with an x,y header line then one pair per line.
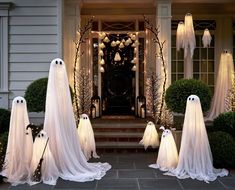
x,y
118,90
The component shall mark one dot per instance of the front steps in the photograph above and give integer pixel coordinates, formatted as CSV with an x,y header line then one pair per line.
x,y
119,133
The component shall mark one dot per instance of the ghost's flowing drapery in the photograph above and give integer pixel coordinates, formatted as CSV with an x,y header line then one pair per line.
x,y
195,158
86,137
150,137
19,145
206,38
180,35
167,154
223,85
60,127
49,171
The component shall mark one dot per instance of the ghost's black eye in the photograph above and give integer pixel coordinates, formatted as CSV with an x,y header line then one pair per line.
x,y
56,62
17,101
189,98
42,135
21,101
38,135
192,99
61,62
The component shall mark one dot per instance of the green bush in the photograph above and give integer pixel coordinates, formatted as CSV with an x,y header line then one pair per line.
x,y
178,92
225,122
3,147
35,95
5,116
223,149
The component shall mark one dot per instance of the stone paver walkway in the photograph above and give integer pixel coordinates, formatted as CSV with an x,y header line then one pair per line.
x,y
130,171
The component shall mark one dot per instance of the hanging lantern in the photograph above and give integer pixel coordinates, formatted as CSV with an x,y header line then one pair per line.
x,y
117,57
102,62
106,39
102,69
121,45
133,37
101,53
117,42
180,35
102,46
113,44
206,39
133,68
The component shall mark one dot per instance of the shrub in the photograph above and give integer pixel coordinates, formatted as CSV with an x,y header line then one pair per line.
x,y
5,116
223,149
225,122
35,95
3,147
178,92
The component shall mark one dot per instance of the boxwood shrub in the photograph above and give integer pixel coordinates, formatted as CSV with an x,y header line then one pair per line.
x,y
178,92
225,122
223,149
5,116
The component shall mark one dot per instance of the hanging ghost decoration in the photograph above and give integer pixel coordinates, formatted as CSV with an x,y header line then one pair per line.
x,y
224,82
180,35
60,126
167,158
150,137
49,171
195,158
86,137
19,145
206,38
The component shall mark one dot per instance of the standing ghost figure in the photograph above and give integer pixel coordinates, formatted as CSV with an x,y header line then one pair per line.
x,y
19,145
49,171
150,137
60,126
167,155
195,158
86,137
224,82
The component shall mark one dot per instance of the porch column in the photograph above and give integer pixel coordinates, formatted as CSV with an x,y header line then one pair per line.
x,y
163,21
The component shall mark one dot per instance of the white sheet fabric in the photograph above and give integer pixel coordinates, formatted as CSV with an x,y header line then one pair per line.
x,y
206,38
49,171
223,84
86,137
150,137
19,145
60,127
167,155
180,36
195,158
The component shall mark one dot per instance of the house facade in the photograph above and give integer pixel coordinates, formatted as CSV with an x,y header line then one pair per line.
x,y
35,32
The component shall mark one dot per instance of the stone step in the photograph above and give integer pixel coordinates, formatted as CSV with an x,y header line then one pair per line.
x,y
118,145
118,134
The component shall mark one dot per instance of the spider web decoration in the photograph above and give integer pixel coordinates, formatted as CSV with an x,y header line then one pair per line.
x,y
84,87
230,99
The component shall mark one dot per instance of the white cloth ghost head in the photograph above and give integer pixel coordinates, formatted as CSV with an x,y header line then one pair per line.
x,y
167,155
19,145
49,171
86,137
60,127
195,158
206,38
150,137
224,82
180,36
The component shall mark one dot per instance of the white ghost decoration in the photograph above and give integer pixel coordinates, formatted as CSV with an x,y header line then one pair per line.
x,y
206,38
19,145
49,171
167,158
86,137
195,158
150,137
60,126
180,36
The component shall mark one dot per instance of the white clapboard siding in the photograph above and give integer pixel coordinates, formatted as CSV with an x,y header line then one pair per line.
x,y
33,30
33,21
33,43
33,57
31,67
33,39
32,48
